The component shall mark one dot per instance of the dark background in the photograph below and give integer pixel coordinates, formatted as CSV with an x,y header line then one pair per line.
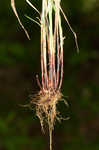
x,y
20,62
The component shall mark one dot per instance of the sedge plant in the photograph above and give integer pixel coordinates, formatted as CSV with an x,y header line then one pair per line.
x,y
52,41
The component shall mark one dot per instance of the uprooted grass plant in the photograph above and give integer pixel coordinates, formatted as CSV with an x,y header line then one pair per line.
x,y
52,41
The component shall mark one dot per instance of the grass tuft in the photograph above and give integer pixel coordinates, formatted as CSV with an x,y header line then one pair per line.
x,y
52,41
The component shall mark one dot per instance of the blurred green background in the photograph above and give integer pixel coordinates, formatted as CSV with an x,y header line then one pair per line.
x,y
19,64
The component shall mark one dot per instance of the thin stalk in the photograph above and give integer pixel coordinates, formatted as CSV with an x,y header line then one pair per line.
x,y
51,43
61,48
50,128
16,14
42,67
43,46
57,42
50,134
